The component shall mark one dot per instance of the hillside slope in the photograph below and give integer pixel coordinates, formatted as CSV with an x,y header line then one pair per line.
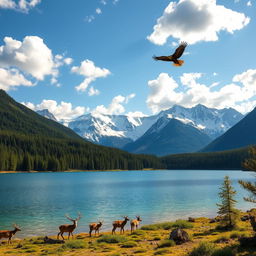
x,y
240,135
29,141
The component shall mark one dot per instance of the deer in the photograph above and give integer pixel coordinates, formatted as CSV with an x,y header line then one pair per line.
x,y
135,223
9,233
119,224
95,226
69,228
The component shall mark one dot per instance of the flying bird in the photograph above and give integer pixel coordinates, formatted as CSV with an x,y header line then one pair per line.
x,y
177,54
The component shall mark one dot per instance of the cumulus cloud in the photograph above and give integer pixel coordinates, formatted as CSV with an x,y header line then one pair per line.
x,y
33,57
11,78
116,106
98,11
196,20
166,92
21,5
90,72
62,111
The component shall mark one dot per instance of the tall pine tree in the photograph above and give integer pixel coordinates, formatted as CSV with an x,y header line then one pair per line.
x,y
227,206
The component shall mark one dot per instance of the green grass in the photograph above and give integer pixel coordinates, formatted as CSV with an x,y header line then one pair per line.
x,y
112,239
75,244
224,252
163,251
166,243
204,249
168,225
129,244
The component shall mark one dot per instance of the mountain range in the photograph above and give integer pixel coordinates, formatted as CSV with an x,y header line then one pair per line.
x,y
165,133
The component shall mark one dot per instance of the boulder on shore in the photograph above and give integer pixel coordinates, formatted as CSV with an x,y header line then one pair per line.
x,y
179,236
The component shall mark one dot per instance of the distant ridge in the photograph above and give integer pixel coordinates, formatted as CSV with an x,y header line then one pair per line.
x,y
169,136
240,135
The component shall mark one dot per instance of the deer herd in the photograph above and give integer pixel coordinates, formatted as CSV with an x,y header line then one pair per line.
x,y
69,228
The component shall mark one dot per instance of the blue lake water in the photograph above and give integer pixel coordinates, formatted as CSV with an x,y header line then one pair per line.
x,y
39,201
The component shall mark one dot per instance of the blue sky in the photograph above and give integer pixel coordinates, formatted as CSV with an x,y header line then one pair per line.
x,y
75,57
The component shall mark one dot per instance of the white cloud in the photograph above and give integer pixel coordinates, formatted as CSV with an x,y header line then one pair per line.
x,y
249,3
196,20
7,4
90,72
89,18
98,11
21,5
11,78
93,91
32,56
166,92
115,107
61,111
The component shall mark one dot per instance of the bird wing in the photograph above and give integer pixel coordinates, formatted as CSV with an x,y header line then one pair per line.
x,y
164,58
179,51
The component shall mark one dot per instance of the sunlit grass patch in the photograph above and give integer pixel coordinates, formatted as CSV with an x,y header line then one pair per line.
x,y
168,225
204,249
166,243
129,244
163,251
74,244
112,239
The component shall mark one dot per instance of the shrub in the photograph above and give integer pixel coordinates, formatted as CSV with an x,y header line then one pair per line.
x,y
161,252
129,244
75,244
204,249
224,252
138,232
236,234
182,224
111,239
140,251
166,243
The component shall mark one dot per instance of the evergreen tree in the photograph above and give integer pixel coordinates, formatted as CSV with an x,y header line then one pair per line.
x,y
227,206
250,164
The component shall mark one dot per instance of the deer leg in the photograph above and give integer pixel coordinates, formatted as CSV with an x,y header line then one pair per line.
x,y
90,233
62,235
113,230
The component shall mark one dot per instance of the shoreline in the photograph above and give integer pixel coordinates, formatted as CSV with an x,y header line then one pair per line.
x,y
120,170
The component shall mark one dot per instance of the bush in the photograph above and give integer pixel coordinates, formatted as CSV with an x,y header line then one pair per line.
x,y
129,244
138,232
204,249
161,252
236,234
75,244
224,252
166,243
182,224
112,239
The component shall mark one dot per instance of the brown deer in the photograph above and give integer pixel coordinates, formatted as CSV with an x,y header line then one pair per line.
x,y
119,224
9,233
135,223
68,227
95,226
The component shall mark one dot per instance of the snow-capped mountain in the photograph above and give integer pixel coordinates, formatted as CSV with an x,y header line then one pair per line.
x,y
211,121
111,130
47,114
120,130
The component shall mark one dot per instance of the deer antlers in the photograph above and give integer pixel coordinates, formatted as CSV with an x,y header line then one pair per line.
x,y
77,219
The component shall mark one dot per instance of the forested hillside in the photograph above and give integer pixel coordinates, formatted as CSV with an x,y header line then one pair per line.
x,y
230,159
29,141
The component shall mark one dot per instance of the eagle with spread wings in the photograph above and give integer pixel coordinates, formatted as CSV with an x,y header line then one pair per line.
x,y
174,57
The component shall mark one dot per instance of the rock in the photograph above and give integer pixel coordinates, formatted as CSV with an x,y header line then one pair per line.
x,y
190,219
179,236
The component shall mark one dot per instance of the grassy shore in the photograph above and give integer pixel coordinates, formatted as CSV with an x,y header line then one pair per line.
x,y
146,241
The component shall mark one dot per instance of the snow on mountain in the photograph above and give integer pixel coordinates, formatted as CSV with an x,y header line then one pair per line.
x,y
211,121
119,130
47,114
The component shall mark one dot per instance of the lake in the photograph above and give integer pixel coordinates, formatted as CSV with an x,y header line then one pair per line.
x,y
38,201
